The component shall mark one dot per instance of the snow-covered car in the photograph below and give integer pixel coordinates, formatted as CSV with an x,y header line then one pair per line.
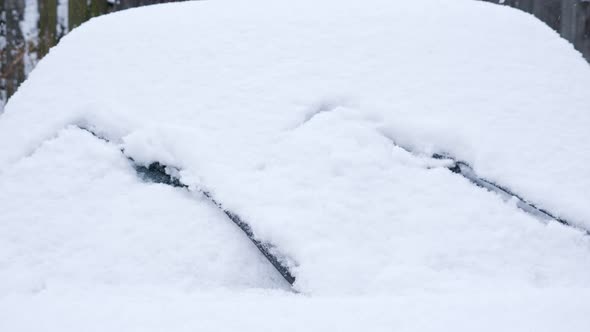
x,y
299,165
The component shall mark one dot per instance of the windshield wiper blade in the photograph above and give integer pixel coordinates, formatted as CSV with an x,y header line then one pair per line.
x,y
464,169
157,172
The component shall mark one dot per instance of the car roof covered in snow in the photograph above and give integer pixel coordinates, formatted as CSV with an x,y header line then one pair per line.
x,y
316,123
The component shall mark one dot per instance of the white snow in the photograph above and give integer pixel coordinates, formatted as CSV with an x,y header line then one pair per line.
x,y
97,310
78,215
285,112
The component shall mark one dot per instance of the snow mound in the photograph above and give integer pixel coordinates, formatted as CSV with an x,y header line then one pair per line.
x,y
286,112
75,214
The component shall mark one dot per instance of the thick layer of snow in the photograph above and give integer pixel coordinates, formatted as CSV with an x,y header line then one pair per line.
x,y
285,112
75,214
140,310
504,93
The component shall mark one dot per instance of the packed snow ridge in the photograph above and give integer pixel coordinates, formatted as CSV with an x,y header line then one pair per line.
x,y
286,113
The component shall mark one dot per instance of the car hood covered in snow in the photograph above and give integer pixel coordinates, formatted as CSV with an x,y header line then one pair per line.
x,y
330,132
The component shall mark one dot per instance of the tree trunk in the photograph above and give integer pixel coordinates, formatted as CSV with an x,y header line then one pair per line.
x,y
13,53
47,26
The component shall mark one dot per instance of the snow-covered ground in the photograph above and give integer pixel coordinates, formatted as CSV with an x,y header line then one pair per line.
x,y
286,113
99,310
